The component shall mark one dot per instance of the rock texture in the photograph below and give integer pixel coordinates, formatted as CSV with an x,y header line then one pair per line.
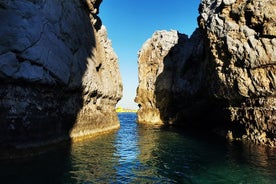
x,y
171,78
59,74
241,37
224,74
152,62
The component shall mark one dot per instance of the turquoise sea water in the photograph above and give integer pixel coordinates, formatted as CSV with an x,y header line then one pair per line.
x,y
143,154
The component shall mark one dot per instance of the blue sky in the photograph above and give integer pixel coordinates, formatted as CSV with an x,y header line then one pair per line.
x,y
131,22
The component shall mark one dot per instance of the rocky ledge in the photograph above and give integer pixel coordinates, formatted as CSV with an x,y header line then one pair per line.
x,y
59,74
222,79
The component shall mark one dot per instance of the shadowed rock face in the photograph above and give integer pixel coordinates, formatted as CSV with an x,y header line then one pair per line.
x,y
225,74
59,74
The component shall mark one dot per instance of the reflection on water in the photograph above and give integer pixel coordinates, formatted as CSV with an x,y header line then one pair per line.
x,y
127,150
142,154
93,160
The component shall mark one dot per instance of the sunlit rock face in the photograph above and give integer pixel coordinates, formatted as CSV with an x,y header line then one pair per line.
x,y
222,79
241,38
59,74
151,62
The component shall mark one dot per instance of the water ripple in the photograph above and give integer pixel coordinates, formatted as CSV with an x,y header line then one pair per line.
x,y
143,154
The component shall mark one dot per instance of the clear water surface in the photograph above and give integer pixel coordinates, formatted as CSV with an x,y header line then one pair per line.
x,y
143,154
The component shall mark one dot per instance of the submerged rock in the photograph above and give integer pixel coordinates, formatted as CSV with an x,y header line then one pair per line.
x,y
59,74
222,78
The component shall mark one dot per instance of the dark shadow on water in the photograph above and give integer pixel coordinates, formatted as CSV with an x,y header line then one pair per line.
x,y
95,160
50,167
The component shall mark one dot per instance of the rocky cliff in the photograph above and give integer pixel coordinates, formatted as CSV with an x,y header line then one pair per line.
x,y
59,74
172,73
241,40
225,74
154,61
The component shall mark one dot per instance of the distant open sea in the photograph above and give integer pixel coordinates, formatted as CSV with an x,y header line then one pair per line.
x,y
145,154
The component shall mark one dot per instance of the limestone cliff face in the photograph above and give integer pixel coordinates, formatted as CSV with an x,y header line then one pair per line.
x,y
59,74
242,43
172,74
224,74
170,70
153,60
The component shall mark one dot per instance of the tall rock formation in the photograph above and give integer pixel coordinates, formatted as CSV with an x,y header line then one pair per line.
x,y
242,48
154,60
224,76
164,79
59,74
